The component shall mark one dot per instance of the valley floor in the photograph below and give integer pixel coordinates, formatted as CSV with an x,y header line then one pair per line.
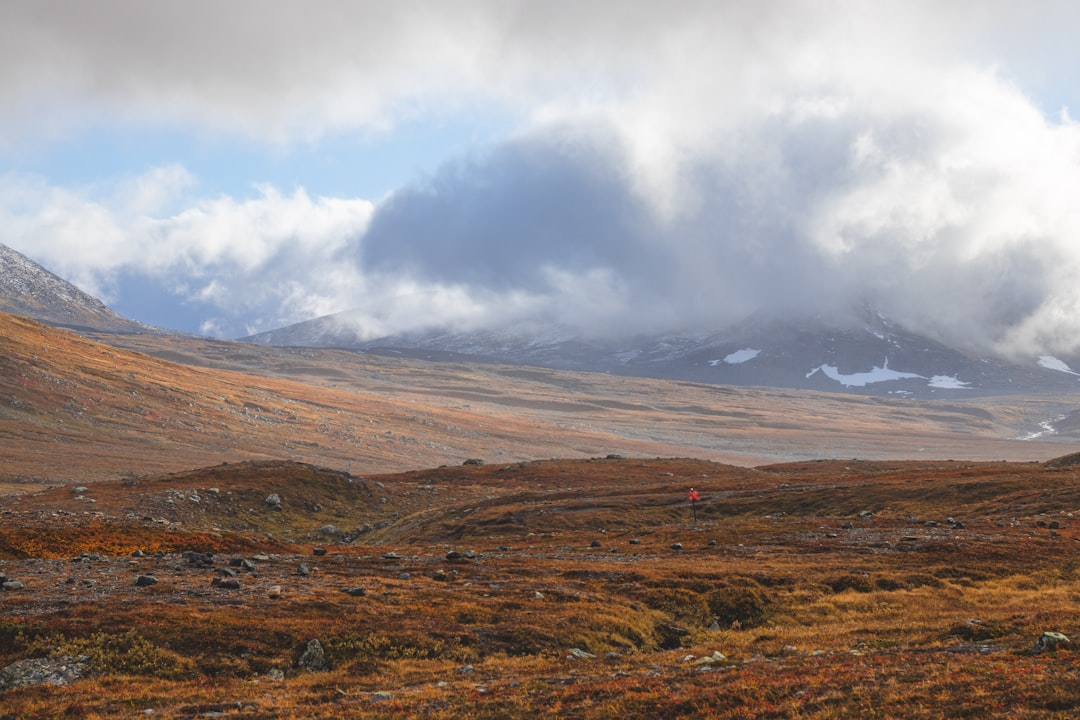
x,y
585,589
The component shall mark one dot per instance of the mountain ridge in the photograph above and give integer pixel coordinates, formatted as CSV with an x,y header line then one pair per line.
x,y
872,357
30,290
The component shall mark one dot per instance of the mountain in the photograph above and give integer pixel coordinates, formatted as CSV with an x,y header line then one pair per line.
x,y
874,357
30,290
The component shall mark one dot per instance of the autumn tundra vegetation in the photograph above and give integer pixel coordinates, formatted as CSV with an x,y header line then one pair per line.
x,y
560,588
201,537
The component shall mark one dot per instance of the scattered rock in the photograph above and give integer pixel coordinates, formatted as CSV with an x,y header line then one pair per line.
x,y
391,556
595,544
145,580
380,696
465,669
226,583
473,461
676,546
404,576
200,560
1050,641
330,531
715,659
355,591
313,659
318,552
37,671
580,654
635,541
273,501
303,570
78,490
274,593
138,554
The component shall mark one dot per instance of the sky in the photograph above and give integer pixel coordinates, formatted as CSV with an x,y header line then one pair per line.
x,y
612,167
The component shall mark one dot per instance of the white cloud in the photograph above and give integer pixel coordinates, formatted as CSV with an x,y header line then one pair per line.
x,y
273,256
672,167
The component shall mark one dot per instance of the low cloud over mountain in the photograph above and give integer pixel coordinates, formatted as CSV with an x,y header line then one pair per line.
x,y
638,169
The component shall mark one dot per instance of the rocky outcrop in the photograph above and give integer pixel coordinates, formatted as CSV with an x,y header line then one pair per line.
x,y
36,671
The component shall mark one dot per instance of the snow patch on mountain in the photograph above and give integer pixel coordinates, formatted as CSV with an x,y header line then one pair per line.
x,y
1047,429
737,357
1052,363
876,375
948,382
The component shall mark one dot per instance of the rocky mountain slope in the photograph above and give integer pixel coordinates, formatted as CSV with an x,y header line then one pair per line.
x,y
30,290
875,357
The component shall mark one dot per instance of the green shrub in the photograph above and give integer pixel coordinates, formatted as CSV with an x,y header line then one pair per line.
x,y
124,654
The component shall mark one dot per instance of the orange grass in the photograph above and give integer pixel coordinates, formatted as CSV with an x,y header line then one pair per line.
x,y
833,590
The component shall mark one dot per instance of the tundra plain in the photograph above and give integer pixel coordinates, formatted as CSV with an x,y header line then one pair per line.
x,y
182,518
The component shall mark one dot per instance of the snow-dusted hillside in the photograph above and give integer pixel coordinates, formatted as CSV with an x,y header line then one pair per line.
x,y
30,290
874,357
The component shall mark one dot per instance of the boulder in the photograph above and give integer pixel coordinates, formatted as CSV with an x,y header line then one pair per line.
x,y
313,659
37,671
1050,641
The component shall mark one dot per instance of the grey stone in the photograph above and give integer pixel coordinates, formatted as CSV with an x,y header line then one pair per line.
x,y
313,659
37,671
145,580
1050,641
